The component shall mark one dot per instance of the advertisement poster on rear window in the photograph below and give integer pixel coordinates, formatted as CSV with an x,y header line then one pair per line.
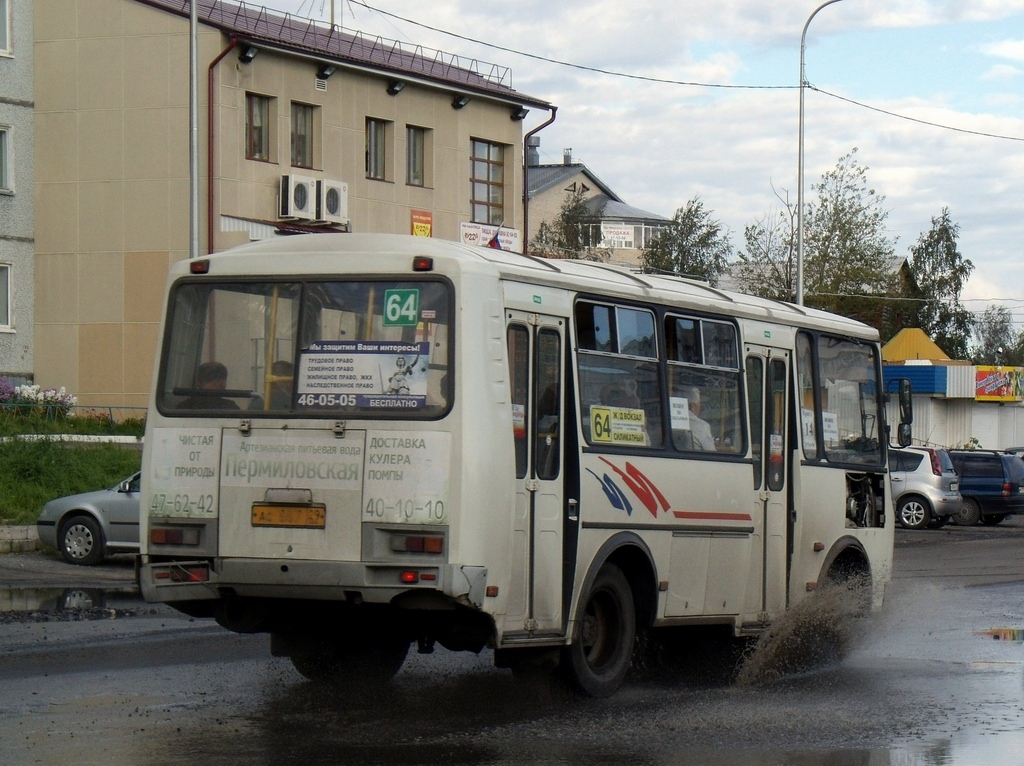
x,y
386,375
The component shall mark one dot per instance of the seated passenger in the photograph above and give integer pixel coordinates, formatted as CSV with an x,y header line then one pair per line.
x,y
700,432
211,377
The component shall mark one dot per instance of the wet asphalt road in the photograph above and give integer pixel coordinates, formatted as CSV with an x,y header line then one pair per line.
x,y
924,682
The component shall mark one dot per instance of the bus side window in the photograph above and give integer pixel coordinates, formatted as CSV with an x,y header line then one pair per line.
x,y
548,366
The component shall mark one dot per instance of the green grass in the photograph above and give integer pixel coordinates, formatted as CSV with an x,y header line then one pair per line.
x,y
35,471
25,419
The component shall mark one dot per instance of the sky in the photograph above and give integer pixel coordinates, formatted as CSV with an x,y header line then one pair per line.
x,y
701,98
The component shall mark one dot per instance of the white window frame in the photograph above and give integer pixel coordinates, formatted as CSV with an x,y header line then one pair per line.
x,y
5,28
6,321
6,175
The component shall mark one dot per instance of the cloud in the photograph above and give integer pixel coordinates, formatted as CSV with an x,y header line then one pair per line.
x,y
1001,72
1005,49
657,145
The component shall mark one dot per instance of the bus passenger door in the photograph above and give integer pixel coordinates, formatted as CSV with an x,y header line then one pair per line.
x,y
536,358
767,376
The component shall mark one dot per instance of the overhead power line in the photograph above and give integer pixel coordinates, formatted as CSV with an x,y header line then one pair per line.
x,y
669,81
914,119
581,67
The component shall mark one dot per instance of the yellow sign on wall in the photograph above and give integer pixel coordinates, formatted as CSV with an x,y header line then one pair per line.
x,y
422,223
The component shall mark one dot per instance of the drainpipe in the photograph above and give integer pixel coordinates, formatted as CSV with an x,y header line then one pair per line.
x,y
210,143
526,171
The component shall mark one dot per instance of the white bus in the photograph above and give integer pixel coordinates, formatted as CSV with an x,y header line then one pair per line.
x,y
361,442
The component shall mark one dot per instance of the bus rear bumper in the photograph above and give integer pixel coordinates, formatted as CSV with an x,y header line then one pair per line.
x,y
355,582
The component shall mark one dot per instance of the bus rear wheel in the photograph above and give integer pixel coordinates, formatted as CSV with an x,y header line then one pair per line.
x,y
349,663
600,656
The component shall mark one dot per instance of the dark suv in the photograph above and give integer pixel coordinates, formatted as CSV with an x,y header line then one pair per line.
x,y
992,485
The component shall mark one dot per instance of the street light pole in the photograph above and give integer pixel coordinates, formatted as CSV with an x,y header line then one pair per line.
x,y
800,167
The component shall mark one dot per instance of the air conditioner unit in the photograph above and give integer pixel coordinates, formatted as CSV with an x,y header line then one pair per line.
x,y
332,201
298,197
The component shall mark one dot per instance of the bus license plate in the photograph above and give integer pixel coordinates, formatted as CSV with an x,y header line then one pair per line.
x,y
303,516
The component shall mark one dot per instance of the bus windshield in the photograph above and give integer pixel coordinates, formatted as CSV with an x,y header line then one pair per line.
x,y
329,348
846,394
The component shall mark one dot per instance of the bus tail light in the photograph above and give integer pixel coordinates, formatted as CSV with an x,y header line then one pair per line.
x,y
409,576
422,263
174,536
417,544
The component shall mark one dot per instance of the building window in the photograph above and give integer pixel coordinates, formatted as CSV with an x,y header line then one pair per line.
x,y
5,26
378,133
488,183
5,295
303,126
257,127
419,147
6,183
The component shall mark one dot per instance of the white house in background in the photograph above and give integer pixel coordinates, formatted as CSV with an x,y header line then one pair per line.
x,y
614,225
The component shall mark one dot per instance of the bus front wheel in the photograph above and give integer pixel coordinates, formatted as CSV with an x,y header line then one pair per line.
x,y
600,655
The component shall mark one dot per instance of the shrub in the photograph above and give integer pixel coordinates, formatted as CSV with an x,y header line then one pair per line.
x,y
55,402
31,409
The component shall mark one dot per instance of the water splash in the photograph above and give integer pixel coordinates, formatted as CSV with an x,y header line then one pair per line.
x,y
816,632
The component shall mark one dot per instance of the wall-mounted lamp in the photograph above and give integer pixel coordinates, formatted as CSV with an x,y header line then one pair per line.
x,y
519,113
248,54
459,101
325,71
395,87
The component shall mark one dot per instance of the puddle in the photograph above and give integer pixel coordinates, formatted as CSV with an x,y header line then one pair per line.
x,y
1004,634
56,600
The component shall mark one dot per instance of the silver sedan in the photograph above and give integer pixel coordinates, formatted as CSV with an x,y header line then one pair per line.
x,y
86,528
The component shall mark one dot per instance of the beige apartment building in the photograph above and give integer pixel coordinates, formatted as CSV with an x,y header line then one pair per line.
x,y
301,127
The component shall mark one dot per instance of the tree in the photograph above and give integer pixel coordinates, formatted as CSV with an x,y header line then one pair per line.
x,y
567,236
997,341
692,244
940,272
767,267
848,259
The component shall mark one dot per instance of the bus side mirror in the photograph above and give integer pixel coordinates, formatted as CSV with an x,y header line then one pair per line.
x,y
903,434
906,404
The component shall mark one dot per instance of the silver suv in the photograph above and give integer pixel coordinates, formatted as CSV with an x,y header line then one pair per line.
x,y
925,486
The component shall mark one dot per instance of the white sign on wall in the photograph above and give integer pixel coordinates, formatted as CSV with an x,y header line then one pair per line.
x,y
482,235
616,235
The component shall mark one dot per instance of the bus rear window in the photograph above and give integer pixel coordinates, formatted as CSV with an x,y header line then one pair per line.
x,y
330,348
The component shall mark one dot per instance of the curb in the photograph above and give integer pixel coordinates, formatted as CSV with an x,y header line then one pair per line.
x,y
18,539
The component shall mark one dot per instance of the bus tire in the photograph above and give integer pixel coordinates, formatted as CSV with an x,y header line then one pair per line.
x,y
597,661
326,661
